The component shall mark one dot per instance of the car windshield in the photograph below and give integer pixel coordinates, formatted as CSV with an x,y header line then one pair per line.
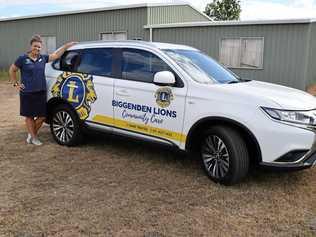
x,y
201,67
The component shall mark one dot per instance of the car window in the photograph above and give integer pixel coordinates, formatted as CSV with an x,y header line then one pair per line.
x,y
96,62
69,61
141,65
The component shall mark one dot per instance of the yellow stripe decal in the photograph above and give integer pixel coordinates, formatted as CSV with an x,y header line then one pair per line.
x,y
136,127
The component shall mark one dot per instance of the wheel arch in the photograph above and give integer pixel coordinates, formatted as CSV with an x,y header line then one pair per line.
x,y
55,101
195,131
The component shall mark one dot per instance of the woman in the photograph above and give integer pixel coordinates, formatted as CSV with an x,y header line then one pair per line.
x,y
32,87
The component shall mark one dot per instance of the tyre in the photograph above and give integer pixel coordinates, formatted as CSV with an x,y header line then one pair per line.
x,y
224,155
65,126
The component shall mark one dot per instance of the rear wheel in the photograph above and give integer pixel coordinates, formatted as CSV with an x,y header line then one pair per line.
x,y
65,126
224,155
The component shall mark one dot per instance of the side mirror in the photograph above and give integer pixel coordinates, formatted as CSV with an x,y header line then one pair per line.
x,y
164,78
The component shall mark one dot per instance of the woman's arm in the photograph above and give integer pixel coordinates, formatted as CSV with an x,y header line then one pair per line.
x,y
57,54
12,74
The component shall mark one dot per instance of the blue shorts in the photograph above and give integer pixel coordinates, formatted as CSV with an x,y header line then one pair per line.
x,y
33,104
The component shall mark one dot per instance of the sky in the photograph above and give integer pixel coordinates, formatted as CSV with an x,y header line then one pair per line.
x,y
251,9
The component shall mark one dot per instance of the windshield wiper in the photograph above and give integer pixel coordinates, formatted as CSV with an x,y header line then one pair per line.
x,y
233,82
239,80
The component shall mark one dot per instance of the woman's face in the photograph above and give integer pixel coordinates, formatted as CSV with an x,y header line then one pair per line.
x,y
36,48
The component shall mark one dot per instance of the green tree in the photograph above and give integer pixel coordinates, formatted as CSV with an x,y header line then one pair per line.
x,y
223,10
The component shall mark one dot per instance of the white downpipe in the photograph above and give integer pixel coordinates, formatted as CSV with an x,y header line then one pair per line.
x,y
151,34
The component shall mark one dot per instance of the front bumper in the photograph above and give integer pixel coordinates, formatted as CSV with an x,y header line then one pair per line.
x,y
294,161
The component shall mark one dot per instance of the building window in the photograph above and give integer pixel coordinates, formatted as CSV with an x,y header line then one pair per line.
x,y
49,44
113,36
242,53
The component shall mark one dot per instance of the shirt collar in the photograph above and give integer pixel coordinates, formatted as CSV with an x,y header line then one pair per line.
x,y
38,58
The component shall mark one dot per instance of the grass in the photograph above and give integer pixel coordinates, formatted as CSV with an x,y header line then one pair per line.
x,y
4,75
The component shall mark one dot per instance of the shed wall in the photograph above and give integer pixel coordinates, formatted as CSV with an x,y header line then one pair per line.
x,y
174,14
311,69
284,48
15,35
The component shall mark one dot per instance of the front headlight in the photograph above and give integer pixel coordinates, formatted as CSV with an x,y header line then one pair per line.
x,y
301,117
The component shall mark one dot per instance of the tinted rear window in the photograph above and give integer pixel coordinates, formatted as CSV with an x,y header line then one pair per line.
x,y
96,62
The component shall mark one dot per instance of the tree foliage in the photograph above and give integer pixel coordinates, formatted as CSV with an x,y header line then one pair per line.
x,y
223,10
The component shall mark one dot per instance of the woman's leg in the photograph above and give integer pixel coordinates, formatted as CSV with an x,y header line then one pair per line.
x,y
41,110
30,125
38,124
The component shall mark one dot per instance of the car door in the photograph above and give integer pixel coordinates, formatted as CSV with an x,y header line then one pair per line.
x,y
142,107
88,84
98,62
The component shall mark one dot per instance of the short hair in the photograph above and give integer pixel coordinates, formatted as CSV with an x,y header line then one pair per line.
x,y
36,38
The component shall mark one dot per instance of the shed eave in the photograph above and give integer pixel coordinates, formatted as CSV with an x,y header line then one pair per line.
x,y
232,23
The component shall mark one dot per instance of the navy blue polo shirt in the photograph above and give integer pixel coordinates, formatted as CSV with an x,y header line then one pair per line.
x,y
32,72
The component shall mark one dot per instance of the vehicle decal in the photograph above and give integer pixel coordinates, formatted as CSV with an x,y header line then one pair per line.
x,y
144,113
164,97
78,90
137,127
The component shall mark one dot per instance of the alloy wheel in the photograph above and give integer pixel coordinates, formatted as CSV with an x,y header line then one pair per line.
x,y
215,156
63,126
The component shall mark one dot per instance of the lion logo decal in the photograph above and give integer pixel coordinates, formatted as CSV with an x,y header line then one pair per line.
x,y
164,97
78,90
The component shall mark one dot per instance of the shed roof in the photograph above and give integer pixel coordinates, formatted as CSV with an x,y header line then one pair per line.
x,y
117,7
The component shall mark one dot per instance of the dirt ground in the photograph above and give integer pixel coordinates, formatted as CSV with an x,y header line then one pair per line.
x,y
112,186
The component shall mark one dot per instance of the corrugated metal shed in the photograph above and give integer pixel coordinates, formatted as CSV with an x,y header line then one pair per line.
x,y
174,14
88,25
286,46
289,46
311,59
15,34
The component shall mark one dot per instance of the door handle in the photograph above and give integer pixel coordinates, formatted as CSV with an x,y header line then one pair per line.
x,y
122,93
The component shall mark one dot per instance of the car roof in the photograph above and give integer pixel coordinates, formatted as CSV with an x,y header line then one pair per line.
x,y
129,43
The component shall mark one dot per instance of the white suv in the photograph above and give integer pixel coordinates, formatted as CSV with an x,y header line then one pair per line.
x,y
176,95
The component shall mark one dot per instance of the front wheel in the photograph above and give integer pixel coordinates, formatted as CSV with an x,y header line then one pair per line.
x,y
224,155
65,126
